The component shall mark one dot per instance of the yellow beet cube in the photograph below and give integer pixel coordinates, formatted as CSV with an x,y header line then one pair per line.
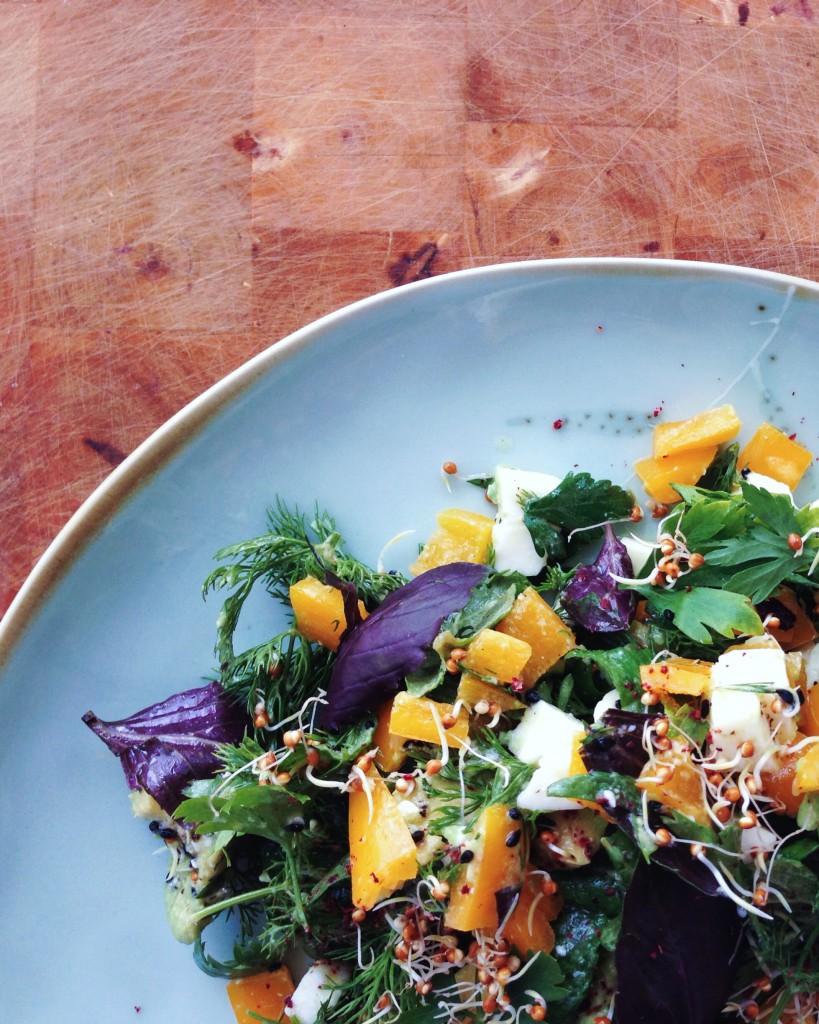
x,y
391,754
772,453
683,790
712,427
807,771
461,536
419,718
532,619
688,676
383,854
497,655
497,864
264,994
657,474
471,690
319,611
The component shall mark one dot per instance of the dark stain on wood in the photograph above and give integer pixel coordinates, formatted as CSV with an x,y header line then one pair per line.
x,y
415,266
112,455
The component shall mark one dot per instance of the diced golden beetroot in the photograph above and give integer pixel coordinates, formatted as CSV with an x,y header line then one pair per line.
x,y
461,536
263,994
532,619
383,854
658,475
683,791
530,930
577,765
801,632
418,718
471,690
319,611
809,715
806,779
497,864
688,676
712,427
772,453
391,754
778,783
498,655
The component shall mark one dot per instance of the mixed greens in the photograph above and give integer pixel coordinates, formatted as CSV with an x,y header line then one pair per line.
x,y
554,773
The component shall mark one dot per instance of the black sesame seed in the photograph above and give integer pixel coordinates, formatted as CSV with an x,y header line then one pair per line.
x,y
467,856
514,814
532,697
513,838
295,825
787,697
418,835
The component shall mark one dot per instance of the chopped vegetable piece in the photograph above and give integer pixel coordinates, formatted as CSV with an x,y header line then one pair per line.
x,y
712,427
532,619
689,677
683,790
496,866
807,771
263,994
461,536
422,719
319,611
391,754
472,690
382,850
529,928
497,655
658,474
772,453
778,783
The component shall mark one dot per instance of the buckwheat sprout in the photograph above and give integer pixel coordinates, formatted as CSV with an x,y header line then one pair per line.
x,y
379,565
523,970
598,526
365,785
310,775
436,718
361,965
392,1004
726,890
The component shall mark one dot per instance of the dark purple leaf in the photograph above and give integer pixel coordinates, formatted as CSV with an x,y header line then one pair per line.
x,y
394,641
593,598
166,746
615,744
349,597
675,953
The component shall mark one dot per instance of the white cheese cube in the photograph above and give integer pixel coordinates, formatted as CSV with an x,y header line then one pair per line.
x,y
318,987
511,540
738,715
546,737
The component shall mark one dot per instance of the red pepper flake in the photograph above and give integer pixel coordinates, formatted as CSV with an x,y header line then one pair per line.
x,y
657,411
516,686
557,424
466,890
791,437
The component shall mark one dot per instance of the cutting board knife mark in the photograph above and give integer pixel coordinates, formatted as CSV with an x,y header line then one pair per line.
x,y
112,455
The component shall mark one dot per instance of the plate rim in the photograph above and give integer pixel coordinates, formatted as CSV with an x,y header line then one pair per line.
x,y
159,448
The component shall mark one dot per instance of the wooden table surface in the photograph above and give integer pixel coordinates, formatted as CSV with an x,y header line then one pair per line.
x,y
184,182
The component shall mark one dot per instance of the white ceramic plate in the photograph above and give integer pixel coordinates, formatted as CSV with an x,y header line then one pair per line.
x,y
356,412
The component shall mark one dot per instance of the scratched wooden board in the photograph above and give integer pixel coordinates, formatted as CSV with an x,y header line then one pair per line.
x,y
183,183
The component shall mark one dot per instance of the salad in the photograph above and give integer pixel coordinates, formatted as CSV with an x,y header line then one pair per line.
x,y
566,768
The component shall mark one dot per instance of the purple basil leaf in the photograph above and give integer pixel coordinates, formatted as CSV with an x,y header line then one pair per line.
x,y
593,598
394,640
615,744
166,746
675,953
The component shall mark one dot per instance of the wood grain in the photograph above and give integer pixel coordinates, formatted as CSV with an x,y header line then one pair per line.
x,y
183,183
